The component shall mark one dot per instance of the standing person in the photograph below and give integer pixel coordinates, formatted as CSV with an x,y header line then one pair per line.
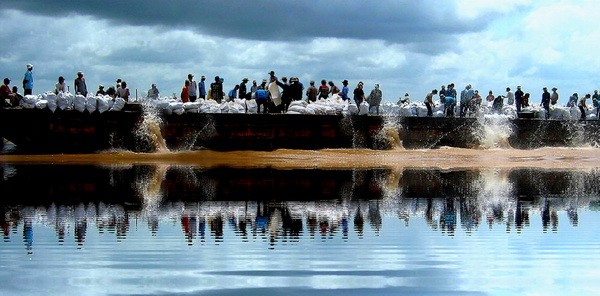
x,y
312,91
80,86
510,96
429,102
216,90
323,90
465,99
192,88
546,102
262,98
272,76
253,88
243,90
450,100
359,94
554,96
124,91
295,89
153,92
374,98
202,87
28,81
519,98
285,93
345,90
185,94
60,86
333,89
583,105
275,94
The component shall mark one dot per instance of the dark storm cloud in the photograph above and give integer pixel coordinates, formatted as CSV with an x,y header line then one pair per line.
x,y
401,21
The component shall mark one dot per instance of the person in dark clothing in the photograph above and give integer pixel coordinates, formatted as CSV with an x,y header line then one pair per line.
x,y
546,102
285,94
295,89
242,91
216,90
519,98
359,94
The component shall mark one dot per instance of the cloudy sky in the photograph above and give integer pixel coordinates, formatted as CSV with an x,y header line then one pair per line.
x,y
405,46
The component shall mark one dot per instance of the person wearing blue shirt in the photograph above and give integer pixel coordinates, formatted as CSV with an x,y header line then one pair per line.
x,y
28,80
202,88
345,90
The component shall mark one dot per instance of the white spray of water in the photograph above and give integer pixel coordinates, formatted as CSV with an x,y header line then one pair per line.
x,y
150,128
493,131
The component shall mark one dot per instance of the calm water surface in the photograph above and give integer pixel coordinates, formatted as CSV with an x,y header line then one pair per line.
x,y
187,230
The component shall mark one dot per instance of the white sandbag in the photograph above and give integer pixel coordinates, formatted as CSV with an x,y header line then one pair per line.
x,y
28,101
51,99
64,101
91,104
191,105
364,108
439,113
178,111
118,104
251,106
352,109
41,104
301,103
297,109
104,103
79,103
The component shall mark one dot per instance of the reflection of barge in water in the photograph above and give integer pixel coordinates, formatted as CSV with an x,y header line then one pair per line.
x,y
42,131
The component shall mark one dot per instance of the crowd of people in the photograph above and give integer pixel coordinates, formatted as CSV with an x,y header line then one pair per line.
x,y
470,100
274,95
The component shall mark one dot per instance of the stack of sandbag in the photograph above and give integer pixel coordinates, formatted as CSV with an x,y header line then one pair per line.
x,y
251,106
192,107
104,103
79,103
363,109
118,104
210,106
297,107
91,104
64,101
29,101
50,97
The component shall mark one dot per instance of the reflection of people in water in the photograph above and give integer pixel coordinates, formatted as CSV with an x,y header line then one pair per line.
x,y
28,234
374,215
262,219
521,217
448,217
80,230
359,223
188,225
546,215
216,228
